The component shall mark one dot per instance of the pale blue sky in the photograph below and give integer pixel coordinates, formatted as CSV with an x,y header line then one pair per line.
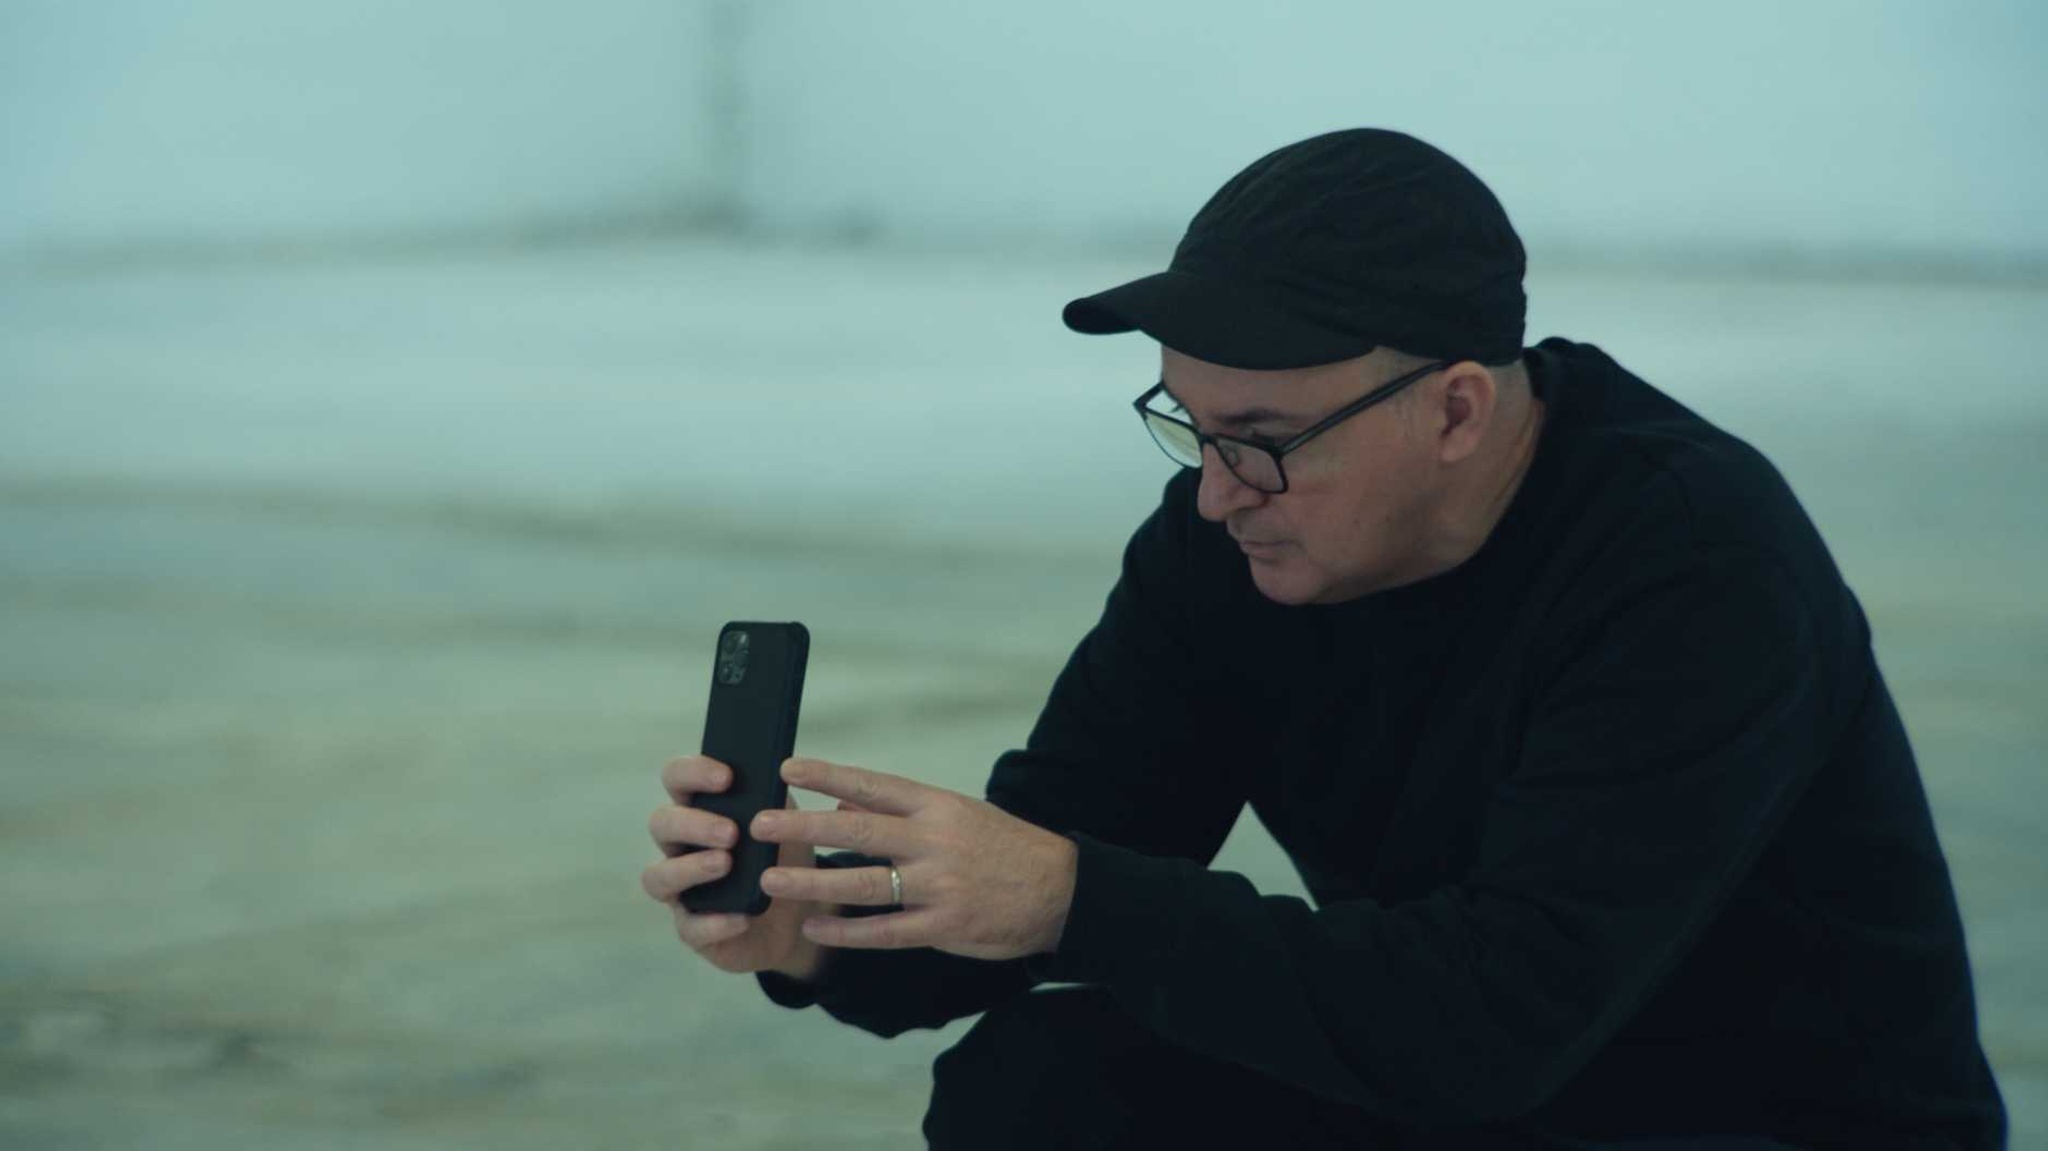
x,y
1825,126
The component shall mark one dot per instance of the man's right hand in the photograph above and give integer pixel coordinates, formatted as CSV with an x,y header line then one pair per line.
x,y
771,941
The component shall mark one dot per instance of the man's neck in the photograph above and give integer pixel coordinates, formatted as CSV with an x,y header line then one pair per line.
x,y
1474,508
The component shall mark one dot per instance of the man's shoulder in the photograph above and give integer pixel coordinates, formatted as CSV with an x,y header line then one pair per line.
x,y
1658,493
1674,476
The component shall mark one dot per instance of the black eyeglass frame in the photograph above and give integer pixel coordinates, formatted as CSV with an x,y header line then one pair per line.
x,y
1385,391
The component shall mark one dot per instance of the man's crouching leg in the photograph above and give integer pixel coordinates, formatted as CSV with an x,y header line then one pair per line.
x,y
1069,1068
1058,1068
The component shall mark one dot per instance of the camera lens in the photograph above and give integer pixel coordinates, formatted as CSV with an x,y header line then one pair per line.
x,y
732,657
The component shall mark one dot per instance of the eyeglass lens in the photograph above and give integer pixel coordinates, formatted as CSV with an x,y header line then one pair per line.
x,y
1256,468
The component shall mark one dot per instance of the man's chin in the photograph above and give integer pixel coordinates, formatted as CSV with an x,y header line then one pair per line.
x,y
1282,582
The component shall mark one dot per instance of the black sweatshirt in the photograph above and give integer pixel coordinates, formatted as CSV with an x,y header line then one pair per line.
x,y
1612,829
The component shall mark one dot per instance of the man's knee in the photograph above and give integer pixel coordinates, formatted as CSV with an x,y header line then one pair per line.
x,y
1047,1068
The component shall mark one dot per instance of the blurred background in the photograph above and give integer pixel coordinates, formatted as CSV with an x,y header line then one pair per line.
x,y
395,398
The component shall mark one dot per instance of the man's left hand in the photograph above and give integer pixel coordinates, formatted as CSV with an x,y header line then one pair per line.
x,y
977,881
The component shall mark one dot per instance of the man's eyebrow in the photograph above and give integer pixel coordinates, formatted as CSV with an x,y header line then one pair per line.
x,y
1242,416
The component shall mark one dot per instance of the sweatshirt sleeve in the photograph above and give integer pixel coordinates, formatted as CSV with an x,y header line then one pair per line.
x,y
888,992
1128,748
1680,726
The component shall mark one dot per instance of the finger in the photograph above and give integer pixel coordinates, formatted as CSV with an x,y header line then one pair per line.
x,y
700,931
687,775
873,790
676,825
898,929
865,886
889,836
665,879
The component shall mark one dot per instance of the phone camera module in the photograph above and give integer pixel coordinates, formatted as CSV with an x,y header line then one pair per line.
x,y
732,657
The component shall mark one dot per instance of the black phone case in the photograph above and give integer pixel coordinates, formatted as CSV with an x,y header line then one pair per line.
x,y
750,725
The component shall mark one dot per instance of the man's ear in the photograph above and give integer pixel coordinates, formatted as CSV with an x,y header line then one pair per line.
x,y
1464,409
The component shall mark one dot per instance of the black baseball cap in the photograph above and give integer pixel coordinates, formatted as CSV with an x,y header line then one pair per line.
x,y
1326,249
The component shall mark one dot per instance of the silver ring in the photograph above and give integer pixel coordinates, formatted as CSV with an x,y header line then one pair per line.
x,y
895,885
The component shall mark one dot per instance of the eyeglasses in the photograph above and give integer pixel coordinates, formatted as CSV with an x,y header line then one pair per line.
x,y
1256,462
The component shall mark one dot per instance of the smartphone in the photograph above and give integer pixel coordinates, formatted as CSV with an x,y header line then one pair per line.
x,y
757,688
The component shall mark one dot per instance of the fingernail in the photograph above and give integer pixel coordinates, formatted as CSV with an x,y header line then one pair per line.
x,y
767,821
719,862
728,835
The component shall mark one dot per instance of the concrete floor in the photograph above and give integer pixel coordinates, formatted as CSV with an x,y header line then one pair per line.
x,y
348,611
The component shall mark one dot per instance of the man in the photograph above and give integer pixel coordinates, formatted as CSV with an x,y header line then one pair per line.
x,y
1548,687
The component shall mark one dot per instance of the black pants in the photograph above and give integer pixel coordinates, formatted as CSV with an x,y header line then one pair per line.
x,y
1069,1068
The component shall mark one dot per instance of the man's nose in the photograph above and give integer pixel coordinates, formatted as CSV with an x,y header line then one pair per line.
x,y
1221,492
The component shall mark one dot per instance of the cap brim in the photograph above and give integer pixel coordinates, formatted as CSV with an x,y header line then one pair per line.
x,y
1212,320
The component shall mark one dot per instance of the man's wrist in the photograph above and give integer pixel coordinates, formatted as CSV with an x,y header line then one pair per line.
x,y
808,956
1065,874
